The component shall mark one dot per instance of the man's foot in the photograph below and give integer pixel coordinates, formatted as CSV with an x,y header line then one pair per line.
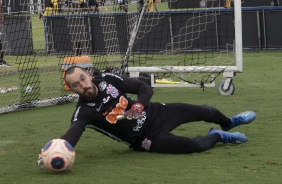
x,y
4,63
242,118
229,137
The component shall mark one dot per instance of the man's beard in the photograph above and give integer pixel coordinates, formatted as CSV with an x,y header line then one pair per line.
x,y
89,93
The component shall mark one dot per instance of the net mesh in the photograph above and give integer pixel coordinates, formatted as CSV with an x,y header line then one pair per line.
x,y
40,42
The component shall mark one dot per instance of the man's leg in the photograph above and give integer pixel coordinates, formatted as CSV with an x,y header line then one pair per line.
x,y
166,117
170,143
183,113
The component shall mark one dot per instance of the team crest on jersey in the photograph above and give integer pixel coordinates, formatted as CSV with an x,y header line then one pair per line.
x,y
102,86
112,91
146,144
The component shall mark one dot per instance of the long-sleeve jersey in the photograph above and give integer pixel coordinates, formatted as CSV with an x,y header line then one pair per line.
x,y
103,113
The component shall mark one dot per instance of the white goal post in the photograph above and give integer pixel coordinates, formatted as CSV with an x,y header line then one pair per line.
x,y
173,43
228,71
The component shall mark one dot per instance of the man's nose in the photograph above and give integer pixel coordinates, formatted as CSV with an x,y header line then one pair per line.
x,y
83,85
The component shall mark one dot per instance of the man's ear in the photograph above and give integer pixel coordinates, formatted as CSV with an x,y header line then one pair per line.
x,y
70,90
66,86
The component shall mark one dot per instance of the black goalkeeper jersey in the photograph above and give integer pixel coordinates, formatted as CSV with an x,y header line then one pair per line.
x,y
104,112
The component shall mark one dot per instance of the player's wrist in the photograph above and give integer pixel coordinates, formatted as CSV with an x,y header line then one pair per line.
x,y
137,107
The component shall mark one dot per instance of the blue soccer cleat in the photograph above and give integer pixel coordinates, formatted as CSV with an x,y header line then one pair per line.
x,y
239,119
229,137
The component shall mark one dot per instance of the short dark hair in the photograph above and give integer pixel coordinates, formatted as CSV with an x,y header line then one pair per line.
x,y
70,70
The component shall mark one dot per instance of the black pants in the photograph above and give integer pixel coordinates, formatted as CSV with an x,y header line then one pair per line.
x,y
165,118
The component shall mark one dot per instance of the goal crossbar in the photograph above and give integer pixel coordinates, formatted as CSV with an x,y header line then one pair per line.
x,y
183,69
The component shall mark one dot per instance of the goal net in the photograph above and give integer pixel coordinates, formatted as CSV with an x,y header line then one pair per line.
x,y
170,43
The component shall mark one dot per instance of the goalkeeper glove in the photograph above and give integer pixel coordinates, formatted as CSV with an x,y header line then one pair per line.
x,y
40,161
135,112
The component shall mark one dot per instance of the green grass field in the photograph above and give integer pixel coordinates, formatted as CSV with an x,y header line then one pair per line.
x,y
99,159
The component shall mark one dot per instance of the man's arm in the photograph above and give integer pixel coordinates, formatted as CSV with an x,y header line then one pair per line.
x,y
134,86
74,133
144,93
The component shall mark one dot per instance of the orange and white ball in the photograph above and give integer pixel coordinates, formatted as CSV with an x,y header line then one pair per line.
x,y
58,155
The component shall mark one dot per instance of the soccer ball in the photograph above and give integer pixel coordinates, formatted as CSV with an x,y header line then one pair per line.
x,y
28,89
58,155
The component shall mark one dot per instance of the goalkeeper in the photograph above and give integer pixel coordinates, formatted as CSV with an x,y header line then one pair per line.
x,y
143,125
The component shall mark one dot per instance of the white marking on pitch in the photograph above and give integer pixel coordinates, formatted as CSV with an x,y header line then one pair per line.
x,y
2,143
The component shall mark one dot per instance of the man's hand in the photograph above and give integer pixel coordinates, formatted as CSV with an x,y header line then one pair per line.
x,y
135,112
40,161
